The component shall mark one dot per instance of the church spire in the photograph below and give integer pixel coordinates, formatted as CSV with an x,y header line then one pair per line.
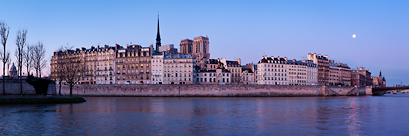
x,y
158,44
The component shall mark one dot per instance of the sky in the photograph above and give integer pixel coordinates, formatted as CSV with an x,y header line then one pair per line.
x,y
236,29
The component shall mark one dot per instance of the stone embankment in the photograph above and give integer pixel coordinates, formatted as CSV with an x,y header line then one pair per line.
x,y
212,90
12,87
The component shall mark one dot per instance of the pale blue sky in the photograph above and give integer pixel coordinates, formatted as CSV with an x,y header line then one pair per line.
x,y
236,29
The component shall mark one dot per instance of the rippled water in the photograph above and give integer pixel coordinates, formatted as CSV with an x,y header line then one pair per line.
x,y
368,115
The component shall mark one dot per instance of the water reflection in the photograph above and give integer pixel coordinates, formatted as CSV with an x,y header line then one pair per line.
x,y
209,116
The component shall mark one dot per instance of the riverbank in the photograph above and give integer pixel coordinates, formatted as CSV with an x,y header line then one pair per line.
x,y
40,99
147,90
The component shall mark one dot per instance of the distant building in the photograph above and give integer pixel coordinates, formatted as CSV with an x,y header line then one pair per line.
x,y
272,71
218,76
235,69
361,77
340,74
13,72
157,68
379,81
213,64
105,65
312,72
168,49
198,48
178,69
186,46
323,67
297,72
357,79
133,64
248,74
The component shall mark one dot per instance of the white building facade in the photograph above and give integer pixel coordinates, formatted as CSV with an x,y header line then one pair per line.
x,y
218,76
178,69
157,68
272,71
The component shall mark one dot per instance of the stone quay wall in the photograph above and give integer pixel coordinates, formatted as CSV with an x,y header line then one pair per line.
x,y
207,90
13,87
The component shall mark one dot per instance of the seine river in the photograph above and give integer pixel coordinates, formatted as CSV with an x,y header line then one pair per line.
x,y
364,115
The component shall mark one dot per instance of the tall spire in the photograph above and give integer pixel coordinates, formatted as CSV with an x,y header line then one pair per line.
x,y
158,44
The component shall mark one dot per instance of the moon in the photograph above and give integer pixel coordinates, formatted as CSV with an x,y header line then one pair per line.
x,y
353,36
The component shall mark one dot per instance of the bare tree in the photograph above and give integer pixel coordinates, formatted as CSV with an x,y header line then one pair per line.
x,y
28,58
20,42
8,60
4,33
39,61
57,65
72,68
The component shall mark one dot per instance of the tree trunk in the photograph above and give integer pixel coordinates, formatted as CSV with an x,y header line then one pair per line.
x,y
21,82
71,90
4,73
60,89
4,91
21,85
21,79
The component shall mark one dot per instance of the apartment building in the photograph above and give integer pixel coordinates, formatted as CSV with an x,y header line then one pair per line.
x,y
133,64
312,72
248,74
157,68
340,74
235,69
272,71
218,76
178,69
361,76
297,73
322,63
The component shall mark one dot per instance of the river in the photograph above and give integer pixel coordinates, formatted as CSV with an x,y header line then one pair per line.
x,y
363,115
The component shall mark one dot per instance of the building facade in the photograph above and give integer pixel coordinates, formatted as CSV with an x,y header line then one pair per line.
x,y
312,72
218,76
297,73
133,64
235,69
322,63
272,71
364,78
248,75
178,69
157,68
379,81
186,46
340,74
105,65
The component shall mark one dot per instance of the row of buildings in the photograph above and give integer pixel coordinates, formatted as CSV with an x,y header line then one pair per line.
x,y
135,64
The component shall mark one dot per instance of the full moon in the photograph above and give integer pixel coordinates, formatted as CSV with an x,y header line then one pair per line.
x,y
353,36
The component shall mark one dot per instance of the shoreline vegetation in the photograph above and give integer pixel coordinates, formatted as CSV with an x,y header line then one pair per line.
x,y
38,99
